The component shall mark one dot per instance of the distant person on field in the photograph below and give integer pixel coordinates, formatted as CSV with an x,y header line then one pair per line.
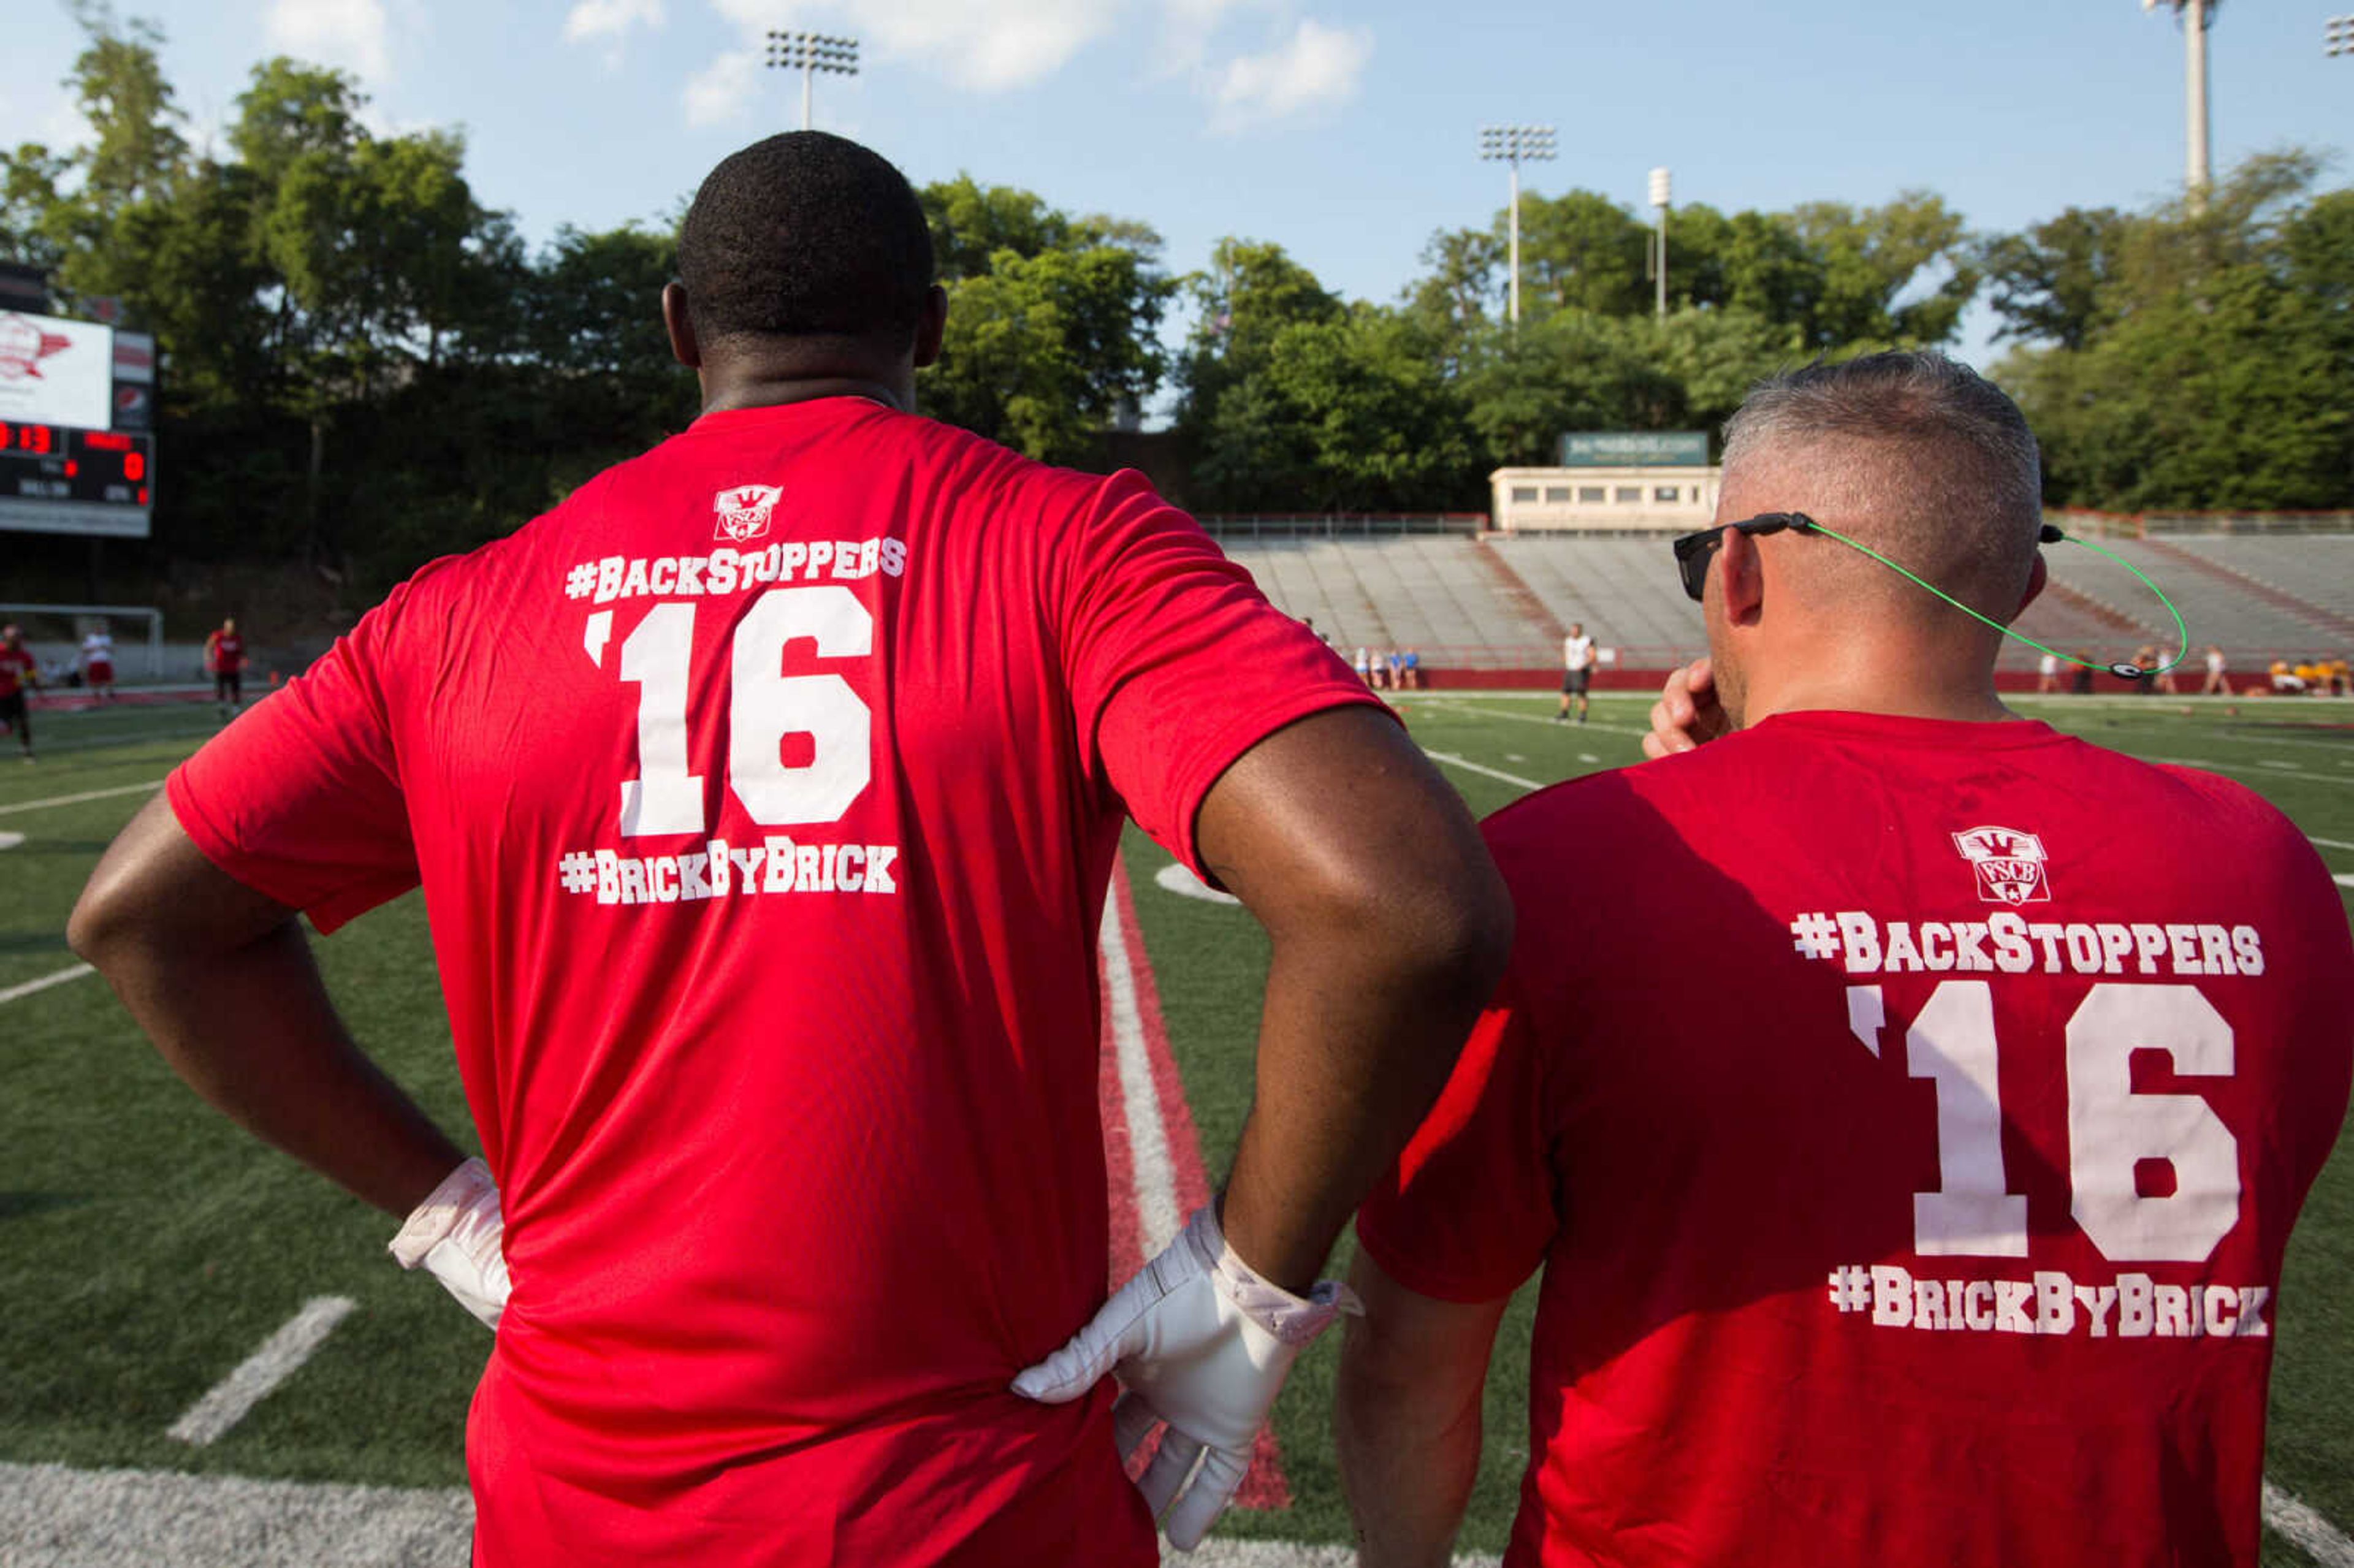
x,y
766,795
98,662
2217,685
1365,664
1412,670
2080,683
225,662
1911,1140
1577,670
2047,672
1396,662
18,669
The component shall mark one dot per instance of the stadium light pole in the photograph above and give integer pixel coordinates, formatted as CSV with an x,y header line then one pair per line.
x,y
809,53
1663,190
2337,35
1514,145
2197,17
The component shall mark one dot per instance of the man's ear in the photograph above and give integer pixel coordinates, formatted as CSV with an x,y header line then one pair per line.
x,y
930,325
680,325
1740,578
2036,579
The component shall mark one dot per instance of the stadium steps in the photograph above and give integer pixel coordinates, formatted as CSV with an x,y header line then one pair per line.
x,y
1516,592
2323,619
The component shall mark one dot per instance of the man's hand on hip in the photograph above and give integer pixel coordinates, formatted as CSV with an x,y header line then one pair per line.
x,y
456,1235
1203,1342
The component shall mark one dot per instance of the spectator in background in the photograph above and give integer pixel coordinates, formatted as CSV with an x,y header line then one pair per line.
x,y
1365,664
98,662
2047,672
18,669
2341,678
1396,663
1576,671
2287,681
2216,685
2081,682
1413,671
225,662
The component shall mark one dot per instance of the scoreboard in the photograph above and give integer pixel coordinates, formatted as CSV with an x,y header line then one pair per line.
x,y
77,446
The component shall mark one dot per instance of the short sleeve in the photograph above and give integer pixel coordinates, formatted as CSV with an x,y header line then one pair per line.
x,y
1467,1212
1177,663
300,799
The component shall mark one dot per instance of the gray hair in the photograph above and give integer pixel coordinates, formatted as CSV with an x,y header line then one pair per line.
x,y
1958,449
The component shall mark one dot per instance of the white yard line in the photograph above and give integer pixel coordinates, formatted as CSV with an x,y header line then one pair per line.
x,y
280,1357
2210,766
1463,707
2314,1535
1465,763
2329,844
85,795
46,981
1148,1136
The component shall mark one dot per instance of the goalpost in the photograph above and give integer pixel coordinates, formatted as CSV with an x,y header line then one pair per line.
x,y
75,618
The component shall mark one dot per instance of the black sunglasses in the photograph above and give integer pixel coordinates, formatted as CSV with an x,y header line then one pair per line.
x,y
1695,551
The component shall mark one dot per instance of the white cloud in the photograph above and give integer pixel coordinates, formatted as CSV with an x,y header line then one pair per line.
x,y
351,33
723,89
1319,68
609,19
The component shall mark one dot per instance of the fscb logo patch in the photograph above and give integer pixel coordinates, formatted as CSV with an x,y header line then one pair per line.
x,y
744,511
2010,865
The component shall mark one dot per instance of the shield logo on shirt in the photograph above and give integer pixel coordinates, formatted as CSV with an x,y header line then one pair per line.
x,y
744,511
2010,865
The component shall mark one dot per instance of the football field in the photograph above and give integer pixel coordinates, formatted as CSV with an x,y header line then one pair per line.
x,y
209,1359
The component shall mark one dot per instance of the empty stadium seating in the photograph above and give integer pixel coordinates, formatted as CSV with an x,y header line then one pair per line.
x,y
1502,600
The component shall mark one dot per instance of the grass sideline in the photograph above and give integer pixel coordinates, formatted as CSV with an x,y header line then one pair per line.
x,y
151,1246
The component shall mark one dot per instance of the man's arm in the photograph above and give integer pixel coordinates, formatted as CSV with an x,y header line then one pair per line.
x,y
1406,1417
1390,927
221,979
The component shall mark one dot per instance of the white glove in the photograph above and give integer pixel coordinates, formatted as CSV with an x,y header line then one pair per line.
x,y
455,1234
1201,1341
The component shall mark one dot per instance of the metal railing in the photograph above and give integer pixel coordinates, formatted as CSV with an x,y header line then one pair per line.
x,y
2142,524
1342,525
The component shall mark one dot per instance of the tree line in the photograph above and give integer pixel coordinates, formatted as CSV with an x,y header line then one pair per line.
x,y
366,365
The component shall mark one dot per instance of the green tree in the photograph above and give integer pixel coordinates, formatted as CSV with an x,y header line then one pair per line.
x,y
1053,320
2214,368
2049,281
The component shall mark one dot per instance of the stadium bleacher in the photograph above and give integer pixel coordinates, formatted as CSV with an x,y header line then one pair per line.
x,y
1500,602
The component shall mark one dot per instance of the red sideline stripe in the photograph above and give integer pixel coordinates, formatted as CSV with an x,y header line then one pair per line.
x,y
1263,1487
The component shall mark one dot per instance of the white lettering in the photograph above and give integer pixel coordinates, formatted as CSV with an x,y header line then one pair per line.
x,y
1860,939
2098,1300
2012,956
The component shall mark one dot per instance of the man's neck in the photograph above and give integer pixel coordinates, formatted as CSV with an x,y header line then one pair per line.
x,y
1903,678
771,392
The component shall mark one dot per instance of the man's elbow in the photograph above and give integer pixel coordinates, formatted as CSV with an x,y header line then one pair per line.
x,y
1447,929
103,927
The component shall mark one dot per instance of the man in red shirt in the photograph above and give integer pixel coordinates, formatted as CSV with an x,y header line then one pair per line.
x,y
765,795
18,669
1910,1139
224,662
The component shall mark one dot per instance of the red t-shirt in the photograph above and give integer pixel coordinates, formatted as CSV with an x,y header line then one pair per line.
x,y
765,796
1909,1117
15,664
224,653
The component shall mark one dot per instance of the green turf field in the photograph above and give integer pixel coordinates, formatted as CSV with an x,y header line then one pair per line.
x,y
149,1248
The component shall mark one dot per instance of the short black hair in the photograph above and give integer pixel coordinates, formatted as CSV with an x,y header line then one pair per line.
x,y
805,235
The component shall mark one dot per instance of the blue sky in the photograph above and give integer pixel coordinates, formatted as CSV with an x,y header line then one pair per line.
x,y
1345,132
